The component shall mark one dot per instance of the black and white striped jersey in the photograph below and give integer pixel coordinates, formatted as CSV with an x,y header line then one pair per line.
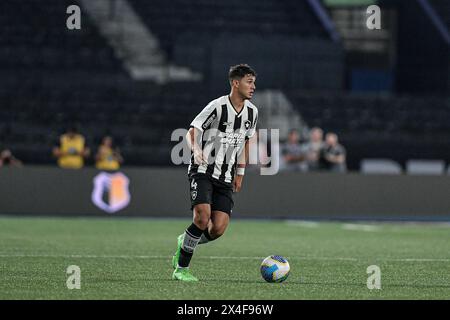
x,y
224,132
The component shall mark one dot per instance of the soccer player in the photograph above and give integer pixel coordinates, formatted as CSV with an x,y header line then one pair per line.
x,y
219,141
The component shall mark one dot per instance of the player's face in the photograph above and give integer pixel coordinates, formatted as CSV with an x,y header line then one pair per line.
x,y
246,86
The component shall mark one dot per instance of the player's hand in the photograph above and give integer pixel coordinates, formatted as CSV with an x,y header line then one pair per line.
x,y
237,184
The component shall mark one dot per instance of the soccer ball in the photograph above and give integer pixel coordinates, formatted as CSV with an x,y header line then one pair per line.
x,y
275,269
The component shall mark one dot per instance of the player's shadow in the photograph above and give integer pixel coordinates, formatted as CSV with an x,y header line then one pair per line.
x,y
169,279
237,281
240,281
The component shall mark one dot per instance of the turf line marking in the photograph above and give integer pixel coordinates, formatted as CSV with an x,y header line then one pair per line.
x,y
214,257
360,227
301,223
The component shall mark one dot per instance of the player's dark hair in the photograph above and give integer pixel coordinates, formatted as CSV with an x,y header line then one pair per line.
x,y
239,71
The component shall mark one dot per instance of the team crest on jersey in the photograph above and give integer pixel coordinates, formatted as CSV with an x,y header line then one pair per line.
x,y
111,192
194,194
247,124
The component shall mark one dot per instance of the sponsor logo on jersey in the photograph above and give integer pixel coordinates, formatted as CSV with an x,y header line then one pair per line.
x,y
209,121
232,138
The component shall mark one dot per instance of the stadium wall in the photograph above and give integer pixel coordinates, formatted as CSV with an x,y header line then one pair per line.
x,y
165,193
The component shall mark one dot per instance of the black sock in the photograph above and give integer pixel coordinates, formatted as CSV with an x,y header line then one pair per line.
x,y
206,237
185,258
191,238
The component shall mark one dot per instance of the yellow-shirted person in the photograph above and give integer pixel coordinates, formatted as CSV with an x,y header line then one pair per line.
x,y
108,158
72,150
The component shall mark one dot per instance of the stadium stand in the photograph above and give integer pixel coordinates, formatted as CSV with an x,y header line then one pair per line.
x,y
34,38
210,18
371,126
207,35
53,77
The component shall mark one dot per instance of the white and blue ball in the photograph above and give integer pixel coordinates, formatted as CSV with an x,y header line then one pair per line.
x,y
275,269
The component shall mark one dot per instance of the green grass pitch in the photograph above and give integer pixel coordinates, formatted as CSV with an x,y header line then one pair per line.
x,y
130,259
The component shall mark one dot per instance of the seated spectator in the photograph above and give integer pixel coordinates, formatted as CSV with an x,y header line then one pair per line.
x,y
7,159
293,154
313,148
72,150
333,155
108,157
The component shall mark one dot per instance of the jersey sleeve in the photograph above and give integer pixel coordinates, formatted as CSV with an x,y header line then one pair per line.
x,y
206,118
251,132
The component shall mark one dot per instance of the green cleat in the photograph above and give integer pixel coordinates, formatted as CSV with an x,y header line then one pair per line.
x,y
183,274
177,253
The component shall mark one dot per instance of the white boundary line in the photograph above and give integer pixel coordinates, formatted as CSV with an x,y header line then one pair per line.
x,y
72,256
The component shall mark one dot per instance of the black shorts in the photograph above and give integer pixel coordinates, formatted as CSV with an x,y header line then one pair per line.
x,y
205,189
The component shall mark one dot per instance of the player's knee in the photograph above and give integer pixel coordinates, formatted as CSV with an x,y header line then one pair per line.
x,y
202,214
201,222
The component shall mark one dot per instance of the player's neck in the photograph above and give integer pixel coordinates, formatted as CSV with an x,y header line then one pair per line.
x,y
236,100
